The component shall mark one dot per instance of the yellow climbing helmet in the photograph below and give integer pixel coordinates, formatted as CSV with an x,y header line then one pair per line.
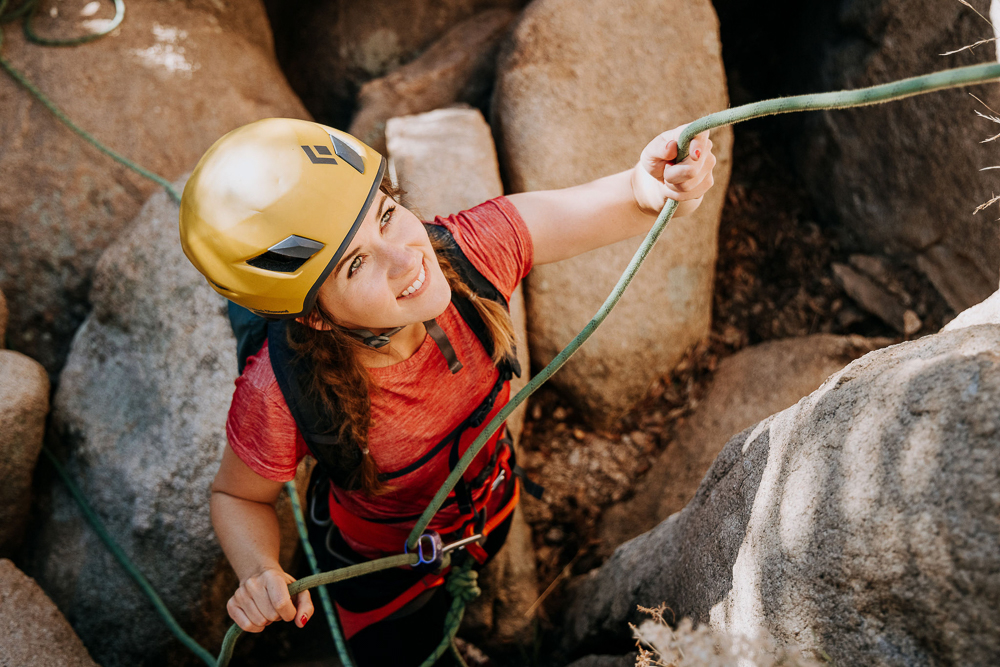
x,y
271,208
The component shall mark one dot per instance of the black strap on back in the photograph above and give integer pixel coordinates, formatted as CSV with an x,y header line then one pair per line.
x,y
320,429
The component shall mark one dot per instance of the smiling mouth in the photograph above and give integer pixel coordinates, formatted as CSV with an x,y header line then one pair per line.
x,y
417,284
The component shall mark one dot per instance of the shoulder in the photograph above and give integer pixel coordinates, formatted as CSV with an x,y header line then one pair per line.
x,y
495,239
260,427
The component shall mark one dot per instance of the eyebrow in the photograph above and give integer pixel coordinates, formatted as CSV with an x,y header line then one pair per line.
x,y
345,259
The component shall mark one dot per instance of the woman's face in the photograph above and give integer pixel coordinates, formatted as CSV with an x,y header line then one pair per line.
x,y
389,275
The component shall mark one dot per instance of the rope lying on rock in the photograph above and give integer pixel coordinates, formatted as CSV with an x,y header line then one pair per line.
x,y
462,584
27,9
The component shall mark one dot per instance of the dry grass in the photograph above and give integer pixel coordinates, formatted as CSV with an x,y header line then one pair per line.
x,y
687,646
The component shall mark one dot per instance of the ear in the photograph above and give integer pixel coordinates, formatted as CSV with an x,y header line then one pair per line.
x,y
314,320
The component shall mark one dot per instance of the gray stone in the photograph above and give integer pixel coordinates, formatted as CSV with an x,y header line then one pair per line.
x,y
872,297
581,89
160,90
750,385
24,404
864,521
35,633
142,405
905,176
459,67
987,312
426,151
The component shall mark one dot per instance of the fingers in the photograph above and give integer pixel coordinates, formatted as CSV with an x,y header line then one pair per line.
x,y
263,599
304,608
690,175
246,615
279,599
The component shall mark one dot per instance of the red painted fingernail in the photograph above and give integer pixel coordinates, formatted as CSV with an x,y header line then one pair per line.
x,y
304,619
697,154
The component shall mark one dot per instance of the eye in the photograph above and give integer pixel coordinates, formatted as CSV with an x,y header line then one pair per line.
x,y
355,265
386,217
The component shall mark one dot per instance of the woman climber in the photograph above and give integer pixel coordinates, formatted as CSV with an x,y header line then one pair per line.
x,y
381,346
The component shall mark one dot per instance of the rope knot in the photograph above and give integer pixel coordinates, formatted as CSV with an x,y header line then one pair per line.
x,y
463,585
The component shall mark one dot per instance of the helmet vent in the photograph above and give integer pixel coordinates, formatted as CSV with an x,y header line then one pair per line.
x,y
286,256
348,154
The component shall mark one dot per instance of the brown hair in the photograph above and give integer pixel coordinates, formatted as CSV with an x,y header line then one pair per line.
x,y
343,384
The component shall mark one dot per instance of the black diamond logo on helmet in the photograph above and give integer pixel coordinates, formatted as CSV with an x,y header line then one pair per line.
x,y
348,154
322,150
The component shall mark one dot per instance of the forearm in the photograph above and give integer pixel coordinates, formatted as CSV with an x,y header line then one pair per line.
x,y
248,532
584,217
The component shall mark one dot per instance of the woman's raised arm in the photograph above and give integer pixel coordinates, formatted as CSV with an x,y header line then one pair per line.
x,y
567,222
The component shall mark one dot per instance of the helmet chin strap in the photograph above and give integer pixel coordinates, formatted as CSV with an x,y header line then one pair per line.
x,y
373,340
437,334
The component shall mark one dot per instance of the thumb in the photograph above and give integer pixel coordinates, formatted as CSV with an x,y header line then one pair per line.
x,y
304,609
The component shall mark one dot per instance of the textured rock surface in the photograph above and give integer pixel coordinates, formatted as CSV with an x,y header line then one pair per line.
x,y
159,90
906,175
4,315
572,105
142,405
35,633
987,312
864,520
24,403
459,67
329,49
747,387
426,151
605,661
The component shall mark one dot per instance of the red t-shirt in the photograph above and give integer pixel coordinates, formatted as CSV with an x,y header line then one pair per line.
x,y
414,403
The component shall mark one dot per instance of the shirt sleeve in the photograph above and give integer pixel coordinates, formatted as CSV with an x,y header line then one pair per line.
x,y
495,239
260,427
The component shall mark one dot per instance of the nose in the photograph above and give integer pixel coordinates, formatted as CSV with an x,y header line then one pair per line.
x,y
399,260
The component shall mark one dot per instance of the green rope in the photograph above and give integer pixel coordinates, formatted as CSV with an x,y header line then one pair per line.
x,y
464,580
333,576
839,100
463,587
29,7
324,595
133,571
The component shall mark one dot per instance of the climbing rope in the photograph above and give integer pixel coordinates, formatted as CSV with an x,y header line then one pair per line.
x,y
27,9
461,583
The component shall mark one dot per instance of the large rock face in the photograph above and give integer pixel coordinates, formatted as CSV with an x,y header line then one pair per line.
x,y
747,387
459,67
426,151
142,405
906,175
863,521
581,89
329,49
35,633
24,404
159,90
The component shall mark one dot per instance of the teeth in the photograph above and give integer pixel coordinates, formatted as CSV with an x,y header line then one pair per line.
x,y
417,284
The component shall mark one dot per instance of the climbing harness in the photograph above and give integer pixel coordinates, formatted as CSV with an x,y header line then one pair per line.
x,y
319,429
422,545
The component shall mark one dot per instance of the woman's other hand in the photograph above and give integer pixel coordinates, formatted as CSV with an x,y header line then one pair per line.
x,y
263,598
656,178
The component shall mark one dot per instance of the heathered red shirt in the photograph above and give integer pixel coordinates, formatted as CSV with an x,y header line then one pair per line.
x,y
414,403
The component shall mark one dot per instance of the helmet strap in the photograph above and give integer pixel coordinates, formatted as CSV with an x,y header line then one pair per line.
x,y
373,340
